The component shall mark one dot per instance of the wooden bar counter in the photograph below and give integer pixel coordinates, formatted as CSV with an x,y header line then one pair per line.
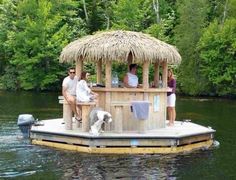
x,y
118,101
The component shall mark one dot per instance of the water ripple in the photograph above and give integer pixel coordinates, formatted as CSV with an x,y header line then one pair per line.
x,y
16,174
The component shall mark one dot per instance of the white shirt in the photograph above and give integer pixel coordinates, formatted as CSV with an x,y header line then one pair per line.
x,y
83,91
132,79
70,85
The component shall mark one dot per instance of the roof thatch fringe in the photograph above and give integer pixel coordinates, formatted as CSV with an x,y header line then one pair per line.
x,y
118,46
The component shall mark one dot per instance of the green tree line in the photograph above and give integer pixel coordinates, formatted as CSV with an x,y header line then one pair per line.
x,y
33,33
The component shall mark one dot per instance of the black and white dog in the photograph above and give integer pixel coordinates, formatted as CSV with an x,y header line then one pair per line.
x,y
96,118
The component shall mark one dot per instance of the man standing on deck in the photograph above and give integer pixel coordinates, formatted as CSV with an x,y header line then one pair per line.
x,y
69,90
131,79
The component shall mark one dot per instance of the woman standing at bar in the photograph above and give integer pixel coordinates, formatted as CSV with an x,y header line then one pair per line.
x,y
171,98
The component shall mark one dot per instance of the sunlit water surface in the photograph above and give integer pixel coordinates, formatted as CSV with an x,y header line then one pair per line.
x,y
21,160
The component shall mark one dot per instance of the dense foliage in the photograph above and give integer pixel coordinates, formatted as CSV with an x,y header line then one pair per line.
x,y
218,59
33,33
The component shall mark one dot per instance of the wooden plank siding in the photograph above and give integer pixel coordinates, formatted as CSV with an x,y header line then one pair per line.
x,y
120,141
124,98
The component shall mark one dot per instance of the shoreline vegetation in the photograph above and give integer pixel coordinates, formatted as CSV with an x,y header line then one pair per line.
x,y
33,34
178,94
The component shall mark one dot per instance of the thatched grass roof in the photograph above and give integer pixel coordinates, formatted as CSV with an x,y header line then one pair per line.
x,y
119,46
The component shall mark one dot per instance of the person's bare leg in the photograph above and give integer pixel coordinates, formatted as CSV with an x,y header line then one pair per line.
x,y
79,112
169,115
174,114
73,107
95,99
96,102
72,101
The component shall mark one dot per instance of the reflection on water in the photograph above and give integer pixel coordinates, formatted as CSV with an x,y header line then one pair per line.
x,y
21,160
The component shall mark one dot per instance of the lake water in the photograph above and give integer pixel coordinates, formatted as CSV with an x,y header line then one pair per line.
x,y
21,160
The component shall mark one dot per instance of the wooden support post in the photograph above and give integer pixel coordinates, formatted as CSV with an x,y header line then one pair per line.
x,y
99,72
145,74
108,85
164,74
108,74
79,67
146,78
67,116
118,118
108,94
141,123
156,74
164,80
85,117
130,59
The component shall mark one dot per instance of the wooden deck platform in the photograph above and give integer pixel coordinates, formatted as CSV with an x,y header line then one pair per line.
x,y
183,136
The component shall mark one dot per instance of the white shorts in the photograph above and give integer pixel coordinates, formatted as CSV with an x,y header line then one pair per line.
x,y
171,100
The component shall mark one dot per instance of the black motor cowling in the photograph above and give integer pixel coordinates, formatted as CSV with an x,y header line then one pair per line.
x,y
25,121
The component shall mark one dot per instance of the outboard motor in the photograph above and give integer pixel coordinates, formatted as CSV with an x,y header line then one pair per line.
x,y
25,122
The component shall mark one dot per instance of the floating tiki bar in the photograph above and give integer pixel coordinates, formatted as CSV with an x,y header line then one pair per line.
x,y
125,132
126,47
